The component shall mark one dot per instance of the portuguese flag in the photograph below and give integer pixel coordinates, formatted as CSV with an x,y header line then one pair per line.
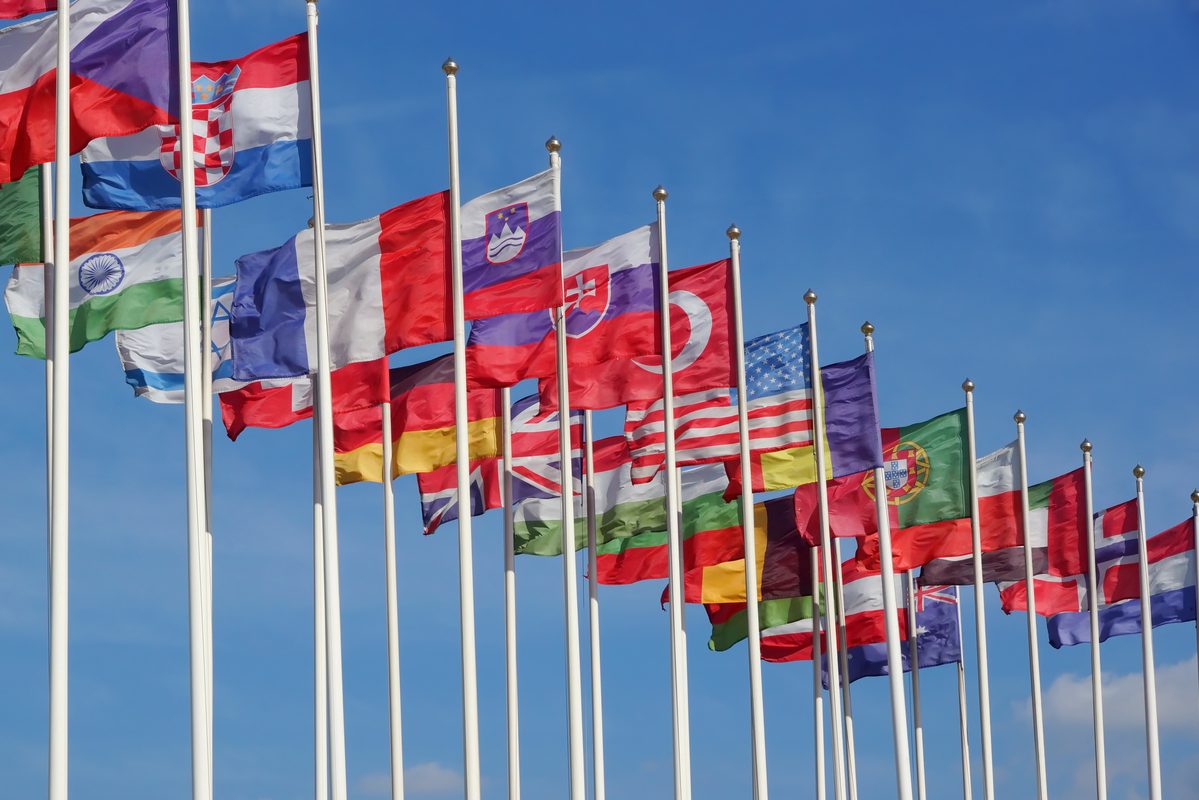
x,y
925,468
20,220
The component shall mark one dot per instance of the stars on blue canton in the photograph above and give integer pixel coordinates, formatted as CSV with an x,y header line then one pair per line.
x,y
777,362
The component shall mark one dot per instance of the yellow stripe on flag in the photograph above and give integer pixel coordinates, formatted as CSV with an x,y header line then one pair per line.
x,y
417,451
786,469
725,583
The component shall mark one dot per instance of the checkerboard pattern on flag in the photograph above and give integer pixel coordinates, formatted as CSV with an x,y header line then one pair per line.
x,y
212,132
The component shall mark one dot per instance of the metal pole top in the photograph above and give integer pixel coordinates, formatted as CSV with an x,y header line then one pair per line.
x,y
1138,472
553,144
867,328
1019,417
660,194
1195,497
1085,446
734,233
809,297
967,386
450,67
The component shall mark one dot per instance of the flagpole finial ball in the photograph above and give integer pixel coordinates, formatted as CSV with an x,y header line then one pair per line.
x,y
1019,417
809,297
553,145
1195,496
867,328
660,194
1138,472
1086,445
450,67
967,385
734,233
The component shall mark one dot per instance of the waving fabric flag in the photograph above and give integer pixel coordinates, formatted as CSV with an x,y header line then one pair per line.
x,y
21,220
252,119
611,313
422,424
439,492
711,532
153,356
701,336
1171,589
536,451
938,637
122,78
15,9
1115,540
126,273
277,404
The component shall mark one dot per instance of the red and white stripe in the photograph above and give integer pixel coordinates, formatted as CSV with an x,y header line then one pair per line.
x,y
706,429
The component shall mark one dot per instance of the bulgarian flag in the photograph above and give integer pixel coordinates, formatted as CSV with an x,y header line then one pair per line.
x,y
422,424
711,533
15,9
20,220
126,273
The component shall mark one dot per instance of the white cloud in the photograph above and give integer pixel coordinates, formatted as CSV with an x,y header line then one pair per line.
x,y
430,779
1068,700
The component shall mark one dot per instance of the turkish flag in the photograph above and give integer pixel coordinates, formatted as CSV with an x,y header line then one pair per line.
x,y
701,334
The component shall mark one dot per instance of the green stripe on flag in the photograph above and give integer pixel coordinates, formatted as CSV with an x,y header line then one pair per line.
x,y
20,220
771,614
1038,494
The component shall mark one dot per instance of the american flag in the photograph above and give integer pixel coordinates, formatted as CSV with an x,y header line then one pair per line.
x,y
779,395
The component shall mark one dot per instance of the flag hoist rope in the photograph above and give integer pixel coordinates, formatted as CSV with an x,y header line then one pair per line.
x,y
1093,615
57,316
466,570
899,713
980,616
817,680
1034,660
193,366
851,749
914,675
826,551
510,673
678,640
395,727
570,579
963,716
752,622
1149,669
598,789
323,407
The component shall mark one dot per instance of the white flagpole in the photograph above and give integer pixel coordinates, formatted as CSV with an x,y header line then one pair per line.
x,y
980,616
752,623
324,417
1034,661
851,757
899,721
830,621
1093,613
598,790
678,640
1152,746
320,674
206,430
394,717
817,679
59,544
510,605
570,580
45,178
1195,530
963,717
194,365
466,570
914,674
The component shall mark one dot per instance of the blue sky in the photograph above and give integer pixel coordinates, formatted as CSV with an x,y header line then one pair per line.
x,y
1008,193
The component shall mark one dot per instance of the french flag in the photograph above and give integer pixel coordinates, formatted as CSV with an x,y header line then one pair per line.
x,y
122,78
611,313
252,123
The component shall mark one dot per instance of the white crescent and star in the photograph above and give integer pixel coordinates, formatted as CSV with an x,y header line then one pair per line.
x,y
700,318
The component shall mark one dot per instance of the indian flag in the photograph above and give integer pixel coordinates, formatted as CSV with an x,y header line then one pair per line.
x,y
126,273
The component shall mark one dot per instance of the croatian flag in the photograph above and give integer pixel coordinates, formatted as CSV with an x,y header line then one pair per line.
x,y
122,78
153,356
611,313
252,125
1171,588
512,249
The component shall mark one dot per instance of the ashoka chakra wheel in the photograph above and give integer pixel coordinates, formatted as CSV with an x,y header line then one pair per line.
x,y
101,274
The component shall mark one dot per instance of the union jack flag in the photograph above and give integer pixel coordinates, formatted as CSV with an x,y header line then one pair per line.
x,y
536,454
937,594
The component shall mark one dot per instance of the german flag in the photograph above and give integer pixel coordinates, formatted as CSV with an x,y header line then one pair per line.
x,y
422,425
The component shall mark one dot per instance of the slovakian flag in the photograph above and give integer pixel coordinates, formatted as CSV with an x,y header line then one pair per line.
x,y
252,123
422,425
1171,556
277,404
610,298
122,78
701,337
439,492
15,9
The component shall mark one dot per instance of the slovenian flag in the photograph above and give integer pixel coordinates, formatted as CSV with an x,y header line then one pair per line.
x,y
252,121
122,78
